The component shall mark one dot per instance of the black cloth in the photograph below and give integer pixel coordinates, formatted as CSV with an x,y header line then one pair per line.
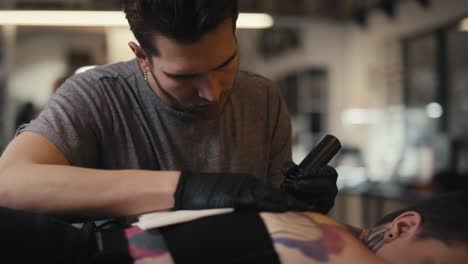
x,y
229,238
27,237
35,238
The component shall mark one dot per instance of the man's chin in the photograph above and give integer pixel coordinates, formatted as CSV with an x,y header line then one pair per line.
x,y
207,111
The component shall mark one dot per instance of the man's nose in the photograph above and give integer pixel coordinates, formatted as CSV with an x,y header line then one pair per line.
x,y
210,87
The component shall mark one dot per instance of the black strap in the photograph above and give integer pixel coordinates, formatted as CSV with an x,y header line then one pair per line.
x,y
229,238
111,247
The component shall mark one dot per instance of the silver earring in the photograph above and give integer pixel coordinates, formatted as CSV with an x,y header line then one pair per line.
x,y
145,75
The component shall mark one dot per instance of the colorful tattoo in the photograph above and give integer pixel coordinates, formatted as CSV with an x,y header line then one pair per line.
x,y
328,240
145,243
374,237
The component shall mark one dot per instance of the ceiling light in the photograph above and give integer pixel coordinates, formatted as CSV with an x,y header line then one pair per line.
x,y
63,18
358,116
101,18
434,110
254,20
464,24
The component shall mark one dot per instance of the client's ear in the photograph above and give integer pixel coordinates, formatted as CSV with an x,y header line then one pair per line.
x,y
405,225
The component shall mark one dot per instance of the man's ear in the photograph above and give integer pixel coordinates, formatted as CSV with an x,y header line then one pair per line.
x,y
140,54
406,225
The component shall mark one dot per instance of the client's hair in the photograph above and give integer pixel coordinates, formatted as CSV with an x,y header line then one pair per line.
x,y
444,217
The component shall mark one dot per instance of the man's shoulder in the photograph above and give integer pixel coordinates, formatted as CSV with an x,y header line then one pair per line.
x,y
255,86
115,70
249,78
99,79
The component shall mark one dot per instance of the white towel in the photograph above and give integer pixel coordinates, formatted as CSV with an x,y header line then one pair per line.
x,y
165,218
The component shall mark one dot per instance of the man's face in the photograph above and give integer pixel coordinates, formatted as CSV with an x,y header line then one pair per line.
x,y
195,77
427,251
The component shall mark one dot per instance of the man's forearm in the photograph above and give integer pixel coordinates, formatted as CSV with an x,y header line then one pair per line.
x,y
73,191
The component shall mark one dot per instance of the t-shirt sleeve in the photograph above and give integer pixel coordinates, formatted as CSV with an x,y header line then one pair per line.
x,y
73,120
281,139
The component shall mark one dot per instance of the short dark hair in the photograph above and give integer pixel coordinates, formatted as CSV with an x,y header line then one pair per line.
x,y
444,217
186,21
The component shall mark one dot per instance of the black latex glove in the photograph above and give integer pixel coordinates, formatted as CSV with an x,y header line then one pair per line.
x,y
239,191
314,186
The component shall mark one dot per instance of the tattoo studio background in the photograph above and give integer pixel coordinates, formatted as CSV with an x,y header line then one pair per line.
x,y
388,79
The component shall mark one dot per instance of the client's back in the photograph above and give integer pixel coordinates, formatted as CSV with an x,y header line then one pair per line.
x,y
249,237
315,238
434,231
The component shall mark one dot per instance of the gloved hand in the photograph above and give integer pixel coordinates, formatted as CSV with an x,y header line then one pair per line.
x,y
314,186
240,191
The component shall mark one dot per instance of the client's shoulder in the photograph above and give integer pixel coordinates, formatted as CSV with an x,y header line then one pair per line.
x,y
314,238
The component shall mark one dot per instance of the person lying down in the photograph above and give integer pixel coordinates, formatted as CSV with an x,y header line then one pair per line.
x,y
433,231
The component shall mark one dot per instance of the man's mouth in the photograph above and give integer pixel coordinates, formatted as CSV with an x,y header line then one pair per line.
x,y
204,107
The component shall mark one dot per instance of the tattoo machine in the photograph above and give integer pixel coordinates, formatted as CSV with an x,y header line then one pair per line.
x,y
319,156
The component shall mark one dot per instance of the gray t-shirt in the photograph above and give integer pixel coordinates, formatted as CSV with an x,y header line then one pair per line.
x,y
109,118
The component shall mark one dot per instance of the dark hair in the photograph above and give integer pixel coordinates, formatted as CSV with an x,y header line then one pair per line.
x,y
444,217
185,21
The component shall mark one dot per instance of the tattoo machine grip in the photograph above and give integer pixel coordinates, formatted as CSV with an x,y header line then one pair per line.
x,y
322,153
319,156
